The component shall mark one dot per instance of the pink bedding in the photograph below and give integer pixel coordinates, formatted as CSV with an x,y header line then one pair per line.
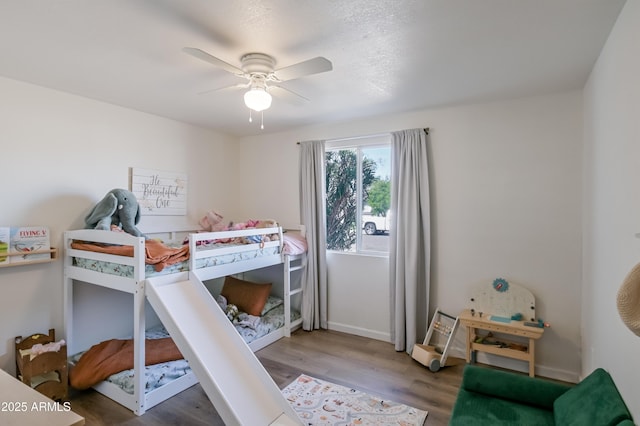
x,y
294,243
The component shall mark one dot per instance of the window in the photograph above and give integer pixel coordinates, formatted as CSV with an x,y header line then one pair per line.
x,y
358,185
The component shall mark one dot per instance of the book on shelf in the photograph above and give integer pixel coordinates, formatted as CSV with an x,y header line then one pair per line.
x,y
5,232
25,240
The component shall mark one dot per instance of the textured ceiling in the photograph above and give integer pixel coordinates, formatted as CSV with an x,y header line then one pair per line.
x,y
388,56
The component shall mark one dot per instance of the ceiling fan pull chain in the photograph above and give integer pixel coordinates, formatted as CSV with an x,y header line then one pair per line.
x,y
262,120
250,119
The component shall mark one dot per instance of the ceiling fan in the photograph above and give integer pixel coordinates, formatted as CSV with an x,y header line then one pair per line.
x,y
262,78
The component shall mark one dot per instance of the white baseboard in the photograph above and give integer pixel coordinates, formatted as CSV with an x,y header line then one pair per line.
x,y
359,331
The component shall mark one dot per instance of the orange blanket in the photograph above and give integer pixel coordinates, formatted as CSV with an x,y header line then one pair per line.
x,y
113,356
156,253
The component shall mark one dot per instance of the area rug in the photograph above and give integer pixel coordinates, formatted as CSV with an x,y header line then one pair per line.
x,y
321,403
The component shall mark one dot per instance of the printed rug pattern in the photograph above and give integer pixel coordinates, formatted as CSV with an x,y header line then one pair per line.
x,y
322,403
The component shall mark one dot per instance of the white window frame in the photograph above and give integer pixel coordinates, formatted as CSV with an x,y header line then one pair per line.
x,y
371,141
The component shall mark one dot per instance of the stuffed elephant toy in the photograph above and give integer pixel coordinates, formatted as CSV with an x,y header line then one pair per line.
x,y
120,208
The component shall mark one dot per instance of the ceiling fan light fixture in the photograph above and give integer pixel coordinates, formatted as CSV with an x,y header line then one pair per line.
x,y
257,99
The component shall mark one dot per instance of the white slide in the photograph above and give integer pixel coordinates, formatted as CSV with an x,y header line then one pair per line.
x,y
237,384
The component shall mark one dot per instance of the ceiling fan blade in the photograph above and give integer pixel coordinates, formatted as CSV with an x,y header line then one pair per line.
x,y
201,54
287,95
301,69
233,86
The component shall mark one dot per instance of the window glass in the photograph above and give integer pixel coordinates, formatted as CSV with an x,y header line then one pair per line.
x,y
376,200
341,185
358,195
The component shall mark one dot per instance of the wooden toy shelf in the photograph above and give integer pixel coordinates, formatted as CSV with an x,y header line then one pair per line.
x,y
53,252
45,372
473,323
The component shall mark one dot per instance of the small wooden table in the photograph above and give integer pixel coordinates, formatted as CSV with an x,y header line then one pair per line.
x,y
21,405
512,328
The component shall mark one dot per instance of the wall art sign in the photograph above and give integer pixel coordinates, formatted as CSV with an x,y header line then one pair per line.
x,y
159,193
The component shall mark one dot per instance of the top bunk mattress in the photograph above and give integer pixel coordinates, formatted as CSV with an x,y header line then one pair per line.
x,y
118,269
113,253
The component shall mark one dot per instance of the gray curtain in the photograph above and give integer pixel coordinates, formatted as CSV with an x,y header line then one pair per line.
x,y
312,213
409,251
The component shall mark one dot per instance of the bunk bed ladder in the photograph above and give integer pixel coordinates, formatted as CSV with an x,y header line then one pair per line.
x,y
292,263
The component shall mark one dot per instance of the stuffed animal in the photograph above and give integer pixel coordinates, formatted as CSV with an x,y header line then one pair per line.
x,y
269,223
212,222
232,312
119,208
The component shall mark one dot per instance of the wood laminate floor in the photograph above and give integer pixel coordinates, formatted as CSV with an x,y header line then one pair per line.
x,y
365,364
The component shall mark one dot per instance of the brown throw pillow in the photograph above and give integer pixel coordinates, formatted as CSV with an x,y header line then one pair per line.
x,y
247,296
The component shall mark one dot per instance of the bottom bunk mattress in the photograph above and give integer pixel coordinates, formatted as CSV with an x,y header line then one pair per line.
x,y
251,327
157,375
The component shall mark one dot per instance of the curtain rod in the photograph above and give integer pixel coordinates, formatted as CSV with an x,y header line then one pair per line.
x,y
426,130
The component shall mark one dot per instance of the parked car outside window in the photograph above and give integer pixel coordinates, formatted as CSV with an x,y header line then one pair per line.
x,y
373,224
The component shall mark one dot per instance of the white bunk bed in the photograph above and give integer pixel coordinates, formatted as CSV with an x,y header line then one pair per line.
x,y
206,260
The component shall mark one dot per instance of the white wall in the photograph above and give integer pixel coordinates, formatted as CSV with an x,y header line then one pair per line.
x,y
358,295
612,204
506,182
59,155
